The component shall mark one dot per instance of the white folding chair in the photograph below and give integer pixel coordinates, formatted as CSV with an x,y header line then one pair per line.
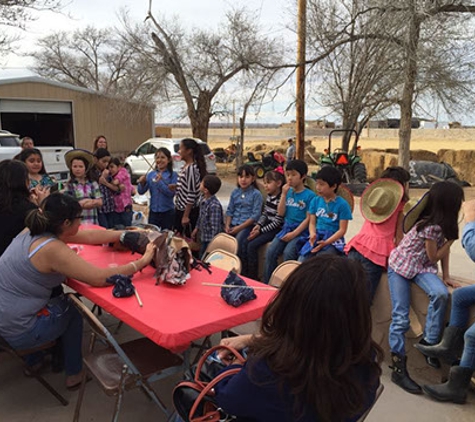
x,y
122,367
224,242
224,260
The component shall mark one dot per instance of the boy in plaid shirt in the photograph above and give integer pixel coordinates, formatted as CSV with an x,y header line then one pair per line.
x,y
210,220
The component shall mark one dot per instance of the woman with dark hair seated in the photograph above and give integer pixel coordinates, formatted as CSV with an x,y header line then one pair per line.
x,y
16,199
314,359
37,261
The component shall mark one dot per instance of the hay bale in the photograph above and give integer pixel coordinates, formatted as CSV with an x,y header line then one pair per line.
x,y
374,162
260,147
423,155
461,161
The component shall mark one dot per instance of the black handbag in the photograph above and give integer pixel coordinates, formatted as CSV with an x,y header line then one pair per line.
x,y
194,398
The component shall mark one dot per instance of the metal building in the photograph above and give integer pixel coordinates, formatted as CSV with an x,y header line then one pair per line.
x,y
55,113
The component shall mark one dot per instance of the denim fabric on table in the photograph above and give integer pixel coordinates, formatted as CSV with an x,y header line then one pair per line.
x,y
400,291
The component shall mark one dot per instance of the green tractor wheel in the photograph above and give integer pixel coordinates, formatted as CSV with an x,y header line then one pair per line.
x,y
260,172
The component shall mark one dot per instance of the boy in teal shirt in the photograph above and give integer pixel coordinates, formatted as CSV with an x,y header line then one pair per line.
x,y
293,206
328,217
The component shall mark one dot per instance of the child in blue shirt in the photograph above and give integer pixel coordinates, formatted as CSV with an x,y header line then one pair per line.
x,y
161,182
244,207
328,217
294,210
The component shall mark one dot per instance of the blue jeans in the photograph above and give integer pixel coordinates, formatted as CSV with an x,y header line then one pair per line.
x,y
203,247
373,271
462,299
400,291
105,220
275,249
250,253
164,220
330,250
123,218
64,322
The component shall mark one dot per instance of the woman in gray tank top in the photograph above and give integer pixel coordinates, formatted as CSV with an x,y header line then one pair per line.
x,y
37,261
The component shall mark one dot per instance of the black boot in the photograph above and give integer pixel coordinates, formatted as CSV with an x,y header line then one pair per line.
x,y
431,361
455,389
450,347
400,376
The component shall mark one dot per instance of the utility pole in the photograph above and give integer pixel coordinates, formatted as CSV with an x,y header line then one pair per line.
x,y
300,97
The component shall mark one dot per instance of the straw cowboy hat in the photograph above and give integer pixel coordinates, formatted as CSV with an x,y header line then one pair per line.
x,y
412,211
380,200
79,153
346,194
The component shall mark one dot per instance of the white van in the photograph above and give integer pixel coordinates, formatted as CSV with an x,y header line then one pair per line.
x,y
140,160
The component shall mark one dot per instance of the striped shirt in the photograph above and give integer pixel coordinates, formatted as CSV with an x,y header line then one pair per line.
x,y
188,187
270,220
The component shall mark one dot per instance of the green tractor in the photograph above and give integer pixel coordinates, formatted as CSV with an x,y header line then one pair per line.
x,y
352,170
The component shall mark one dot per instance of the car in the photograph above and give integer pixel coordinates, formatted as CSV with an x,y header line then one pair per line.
x,y
141,159
53,156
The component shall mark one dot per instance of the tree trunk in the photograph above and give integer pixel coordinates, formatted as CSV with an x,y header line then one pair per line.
x,y
410,74
240,145
199,117
349,122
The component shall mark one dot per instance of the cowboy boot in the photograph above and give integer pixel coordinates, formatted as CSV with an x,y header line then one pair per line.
x,y
455,389
431,361
449,349
400,376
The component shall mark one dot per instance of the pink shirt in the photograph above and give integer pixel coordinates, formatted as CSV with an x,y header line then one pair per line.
x,y
124,198
376,241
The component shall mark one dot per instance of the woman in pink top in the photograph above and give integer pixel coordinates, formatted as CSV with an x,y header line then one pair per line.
x,y
123,199
381,206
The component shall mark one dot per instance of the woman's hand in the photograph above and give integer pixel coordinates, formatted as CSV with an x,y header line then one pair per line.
x,y
149,253
238,343
39,193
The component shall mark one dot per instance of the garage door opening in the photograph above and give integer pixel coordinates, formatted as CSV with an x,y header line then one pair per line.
x,y
49,123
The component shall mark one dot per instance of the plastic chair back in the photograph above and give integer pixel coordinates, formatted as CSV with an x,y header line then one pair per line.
x,y
224,260
282,272
224,242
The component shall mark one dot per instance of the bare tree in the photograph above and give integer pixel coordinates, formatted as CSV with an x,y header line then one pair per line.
x,y
198,63
426,21
96,59
16,13
359,79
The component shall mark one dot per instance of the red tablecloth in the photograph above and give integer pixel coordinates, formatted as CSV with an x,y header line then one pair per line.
x,y
171,316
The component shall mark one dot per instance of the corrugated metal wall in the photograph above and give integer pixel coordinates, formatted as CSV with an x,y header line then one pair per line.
x,y
124,124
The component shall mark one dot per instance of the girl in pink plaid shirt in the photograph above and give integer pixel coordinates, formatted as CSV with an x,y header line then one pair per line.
x,y
431,226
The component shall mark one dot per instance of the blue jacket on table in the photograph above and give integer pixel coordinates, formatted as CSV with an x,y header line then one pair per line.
x,y
240,396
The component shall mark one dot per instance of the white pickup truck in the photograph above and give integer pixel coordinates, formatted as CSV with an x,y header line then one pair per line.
x,y
53,157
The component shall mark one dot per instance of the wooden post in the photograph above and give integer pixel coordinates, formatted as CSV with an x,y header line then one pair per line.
x,y
300,97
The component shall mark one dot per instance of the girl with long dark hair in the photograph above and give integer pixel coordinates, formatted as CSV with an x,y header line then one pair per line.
x,y
314,359
187,198
160,183
431,226
16,199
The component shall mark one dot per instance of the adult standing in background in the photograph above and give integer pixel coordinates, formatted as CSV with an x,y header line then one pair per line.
x,y
291,150
26,143
100,141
